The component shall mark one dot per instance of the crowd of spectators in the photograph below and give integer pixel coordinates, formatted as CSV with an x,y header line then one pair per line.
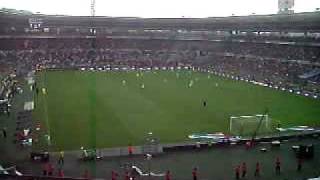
x,y
274,72
274,64
8,87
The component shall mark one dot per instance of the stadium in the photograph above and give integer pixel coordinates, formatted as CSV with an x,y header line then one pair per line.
x,y
97,97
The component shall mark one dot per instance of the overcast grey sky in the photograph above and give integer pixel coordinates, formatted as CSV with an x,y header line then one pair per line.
x,y
157,8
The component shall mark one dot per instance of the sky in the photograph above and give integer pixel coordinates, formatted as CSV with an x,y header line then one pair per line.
x,y
157,8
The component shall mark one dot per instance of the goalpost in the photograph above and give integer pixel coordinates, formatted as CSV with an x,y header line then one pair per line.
x,y
247,125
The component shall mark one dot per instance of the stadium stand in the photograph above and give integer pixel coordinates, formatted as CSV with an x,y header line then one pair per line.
x,y
268,48
282,51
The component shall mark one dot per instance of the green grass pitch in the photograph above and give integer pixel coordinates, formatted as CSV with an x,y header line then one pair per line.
x,y
96,109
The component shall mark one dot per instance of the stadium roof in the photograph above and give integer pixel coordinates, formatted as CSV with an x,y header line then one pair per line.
x,y
279,22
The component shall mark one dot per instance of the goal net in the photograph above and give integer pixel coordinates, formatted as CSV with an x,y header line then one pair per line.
x,y
248,125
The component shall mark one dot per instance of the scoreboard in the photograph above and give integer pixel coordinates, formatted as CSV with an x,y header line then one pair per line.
x,y
285,6
35,23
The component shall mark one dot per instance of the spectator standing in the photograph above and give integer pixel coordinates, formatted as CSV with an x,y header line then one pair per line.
x,y
114,175
257,171
237,170
4,132
168,175
244,169
126,176
44,169
60,173
299,166
50,169
61,158
86,174
195,173
130,150
278,166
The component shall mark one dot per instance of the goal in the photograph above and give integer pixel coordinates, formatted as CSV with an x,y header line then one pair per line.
x,y
248,125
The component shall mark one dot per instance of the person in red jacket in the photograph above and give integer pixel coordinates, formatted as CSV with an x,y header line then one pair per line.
x,y
130,150
126,176
278,165
45,169
114,175
257,171
50,169
195,173
244,169
60,173
86,174
237,170
168,176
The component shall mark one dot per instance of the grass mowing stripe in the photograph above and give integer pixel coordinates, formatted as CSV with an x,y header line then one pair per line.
x,y
92,109
93,119
44,98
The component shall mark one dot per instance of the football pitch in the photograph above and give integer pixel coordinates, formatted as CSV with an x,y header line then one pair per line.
x,y
111,109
